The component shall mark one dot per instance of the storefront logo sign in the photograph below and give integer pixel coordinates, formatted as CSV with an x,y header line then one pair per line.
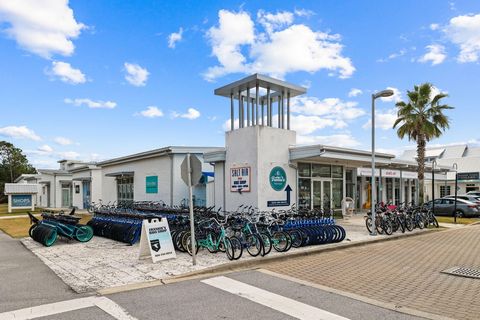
x,y
278,179
151,184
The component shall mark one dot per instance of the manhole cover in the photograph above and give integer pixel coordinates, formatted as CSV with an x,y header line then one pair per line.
x,y
463,272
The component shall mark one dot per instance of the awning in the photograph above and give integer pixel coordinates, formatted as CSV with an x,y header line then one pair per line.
x,y
120,174
208,174
44,182
65,181
82,179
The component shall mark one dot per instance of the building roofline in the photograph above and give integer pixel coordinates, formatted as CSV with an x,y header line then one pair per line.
x,y
156,153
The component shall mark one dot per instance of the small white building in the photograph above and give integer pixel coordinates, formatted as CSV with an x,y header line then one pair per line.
x,y
464,157
152,176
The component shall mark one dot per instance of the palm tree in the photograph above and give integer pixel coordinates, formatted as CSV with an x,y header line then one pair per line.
x,y
421,119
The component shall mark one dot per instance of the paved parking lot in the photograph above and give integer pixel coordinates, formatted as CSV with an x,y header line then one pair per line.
x,y
406,272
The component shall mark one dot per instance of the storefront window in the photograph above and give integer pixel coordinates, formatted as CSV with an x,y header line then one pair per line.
x,y
321,170
349,184
304,193
124,190
337,193
389,182
304,170
337,172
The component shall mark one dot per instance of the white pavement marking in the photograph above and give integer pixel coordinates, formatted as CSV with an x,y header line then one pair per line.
x,y
277,302
46,310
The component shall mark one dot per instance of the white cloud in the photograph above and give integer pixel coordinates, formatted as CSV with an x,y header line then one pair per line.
x,y
191,114
175,37
434,26
136,75
308,50
397,95
464,31
331,108
309,114
355,92
63,141
45,148
99,104
19,132
435,54
336,140
383,119
304,13
275,21
67,73
70,155
42,27
394,55
151,112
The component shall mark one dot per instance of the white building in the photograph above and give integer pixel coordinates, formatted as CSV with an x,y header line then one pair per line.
x,y
467,160
261,165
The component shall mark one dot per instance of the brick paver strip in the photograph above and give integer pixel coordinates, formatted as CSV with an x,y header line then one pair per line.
x,y
406,272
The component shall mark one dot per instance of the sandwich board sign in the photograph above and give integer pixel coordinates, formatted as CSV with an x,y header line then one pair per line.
x,y
156,240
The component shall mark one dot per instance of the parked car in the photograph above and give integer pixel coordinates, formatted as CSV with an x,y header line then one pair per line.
x,y
473,193
468,197
445,207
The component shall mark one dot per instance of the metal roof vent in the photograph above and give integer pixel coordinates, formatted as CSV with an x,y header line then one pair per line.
x,y
463,272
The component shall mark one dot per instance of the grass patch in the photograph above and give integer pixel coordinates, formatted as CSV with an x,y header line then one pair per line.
x,y
18,227
459,220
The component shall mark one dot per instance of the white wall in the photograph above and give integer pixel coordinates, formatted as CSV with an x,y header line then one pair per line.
x,y
260,148
170,191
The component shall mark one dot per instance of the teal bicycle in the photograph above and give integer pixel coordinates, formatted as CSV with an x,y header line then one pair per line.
x,y
211,235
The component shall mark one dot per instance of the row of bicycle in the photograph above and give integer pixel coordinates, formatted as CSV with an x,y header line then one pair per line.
x,y
405,217
245,229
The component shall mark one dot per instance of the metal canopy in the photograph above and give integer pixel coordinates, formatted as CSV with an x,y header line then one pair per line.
x,y
264,82
82,179
120,174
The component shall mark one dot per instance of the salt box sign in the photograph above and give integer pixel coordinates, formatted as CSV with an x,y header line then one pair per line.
x,y
240,179
156,240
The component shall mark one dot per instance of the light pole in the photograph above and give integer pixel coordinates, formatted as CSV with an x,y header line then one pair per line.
x,y
384,93
434,164
455,166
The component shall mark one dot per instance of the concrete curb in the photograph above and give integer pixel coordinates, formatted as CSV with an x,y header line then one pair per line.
x,y
257,262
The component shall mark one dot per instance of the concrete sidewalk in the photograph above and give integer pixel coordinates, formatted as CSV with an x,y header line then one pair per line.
x,y
25,280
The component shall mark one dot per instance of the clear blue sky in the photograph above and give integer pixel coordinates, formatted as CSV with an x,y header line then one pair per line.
x,y
98,79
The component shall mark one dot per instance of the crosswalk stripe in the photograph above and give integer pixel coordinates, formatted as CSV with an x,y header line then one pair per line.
x,y
274,301
50,309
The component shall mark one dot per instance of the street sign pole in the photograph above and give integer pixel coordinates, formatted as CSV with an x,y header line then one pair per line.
x,y
190,206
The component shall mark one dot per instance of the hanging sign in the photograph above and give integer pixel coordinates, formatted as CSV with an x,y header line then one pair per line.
x,y
156,240
240,179
278,178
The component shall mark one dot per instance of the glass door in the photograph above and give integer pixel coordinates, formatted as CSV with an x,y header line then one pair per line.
x,y
86,194
66,198
322,194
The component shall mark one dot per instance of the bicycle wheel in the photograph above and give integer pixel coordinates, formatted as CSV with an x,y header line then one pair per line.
x,y
189,245
387,227
229,249
254,244
237,246
280,241
30,231
409,224
83,233
296,238
266,244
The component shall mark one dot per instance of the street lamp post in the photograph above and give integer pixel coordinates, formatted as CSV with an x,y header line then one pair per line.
x,y
455,166
434,164
384,93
